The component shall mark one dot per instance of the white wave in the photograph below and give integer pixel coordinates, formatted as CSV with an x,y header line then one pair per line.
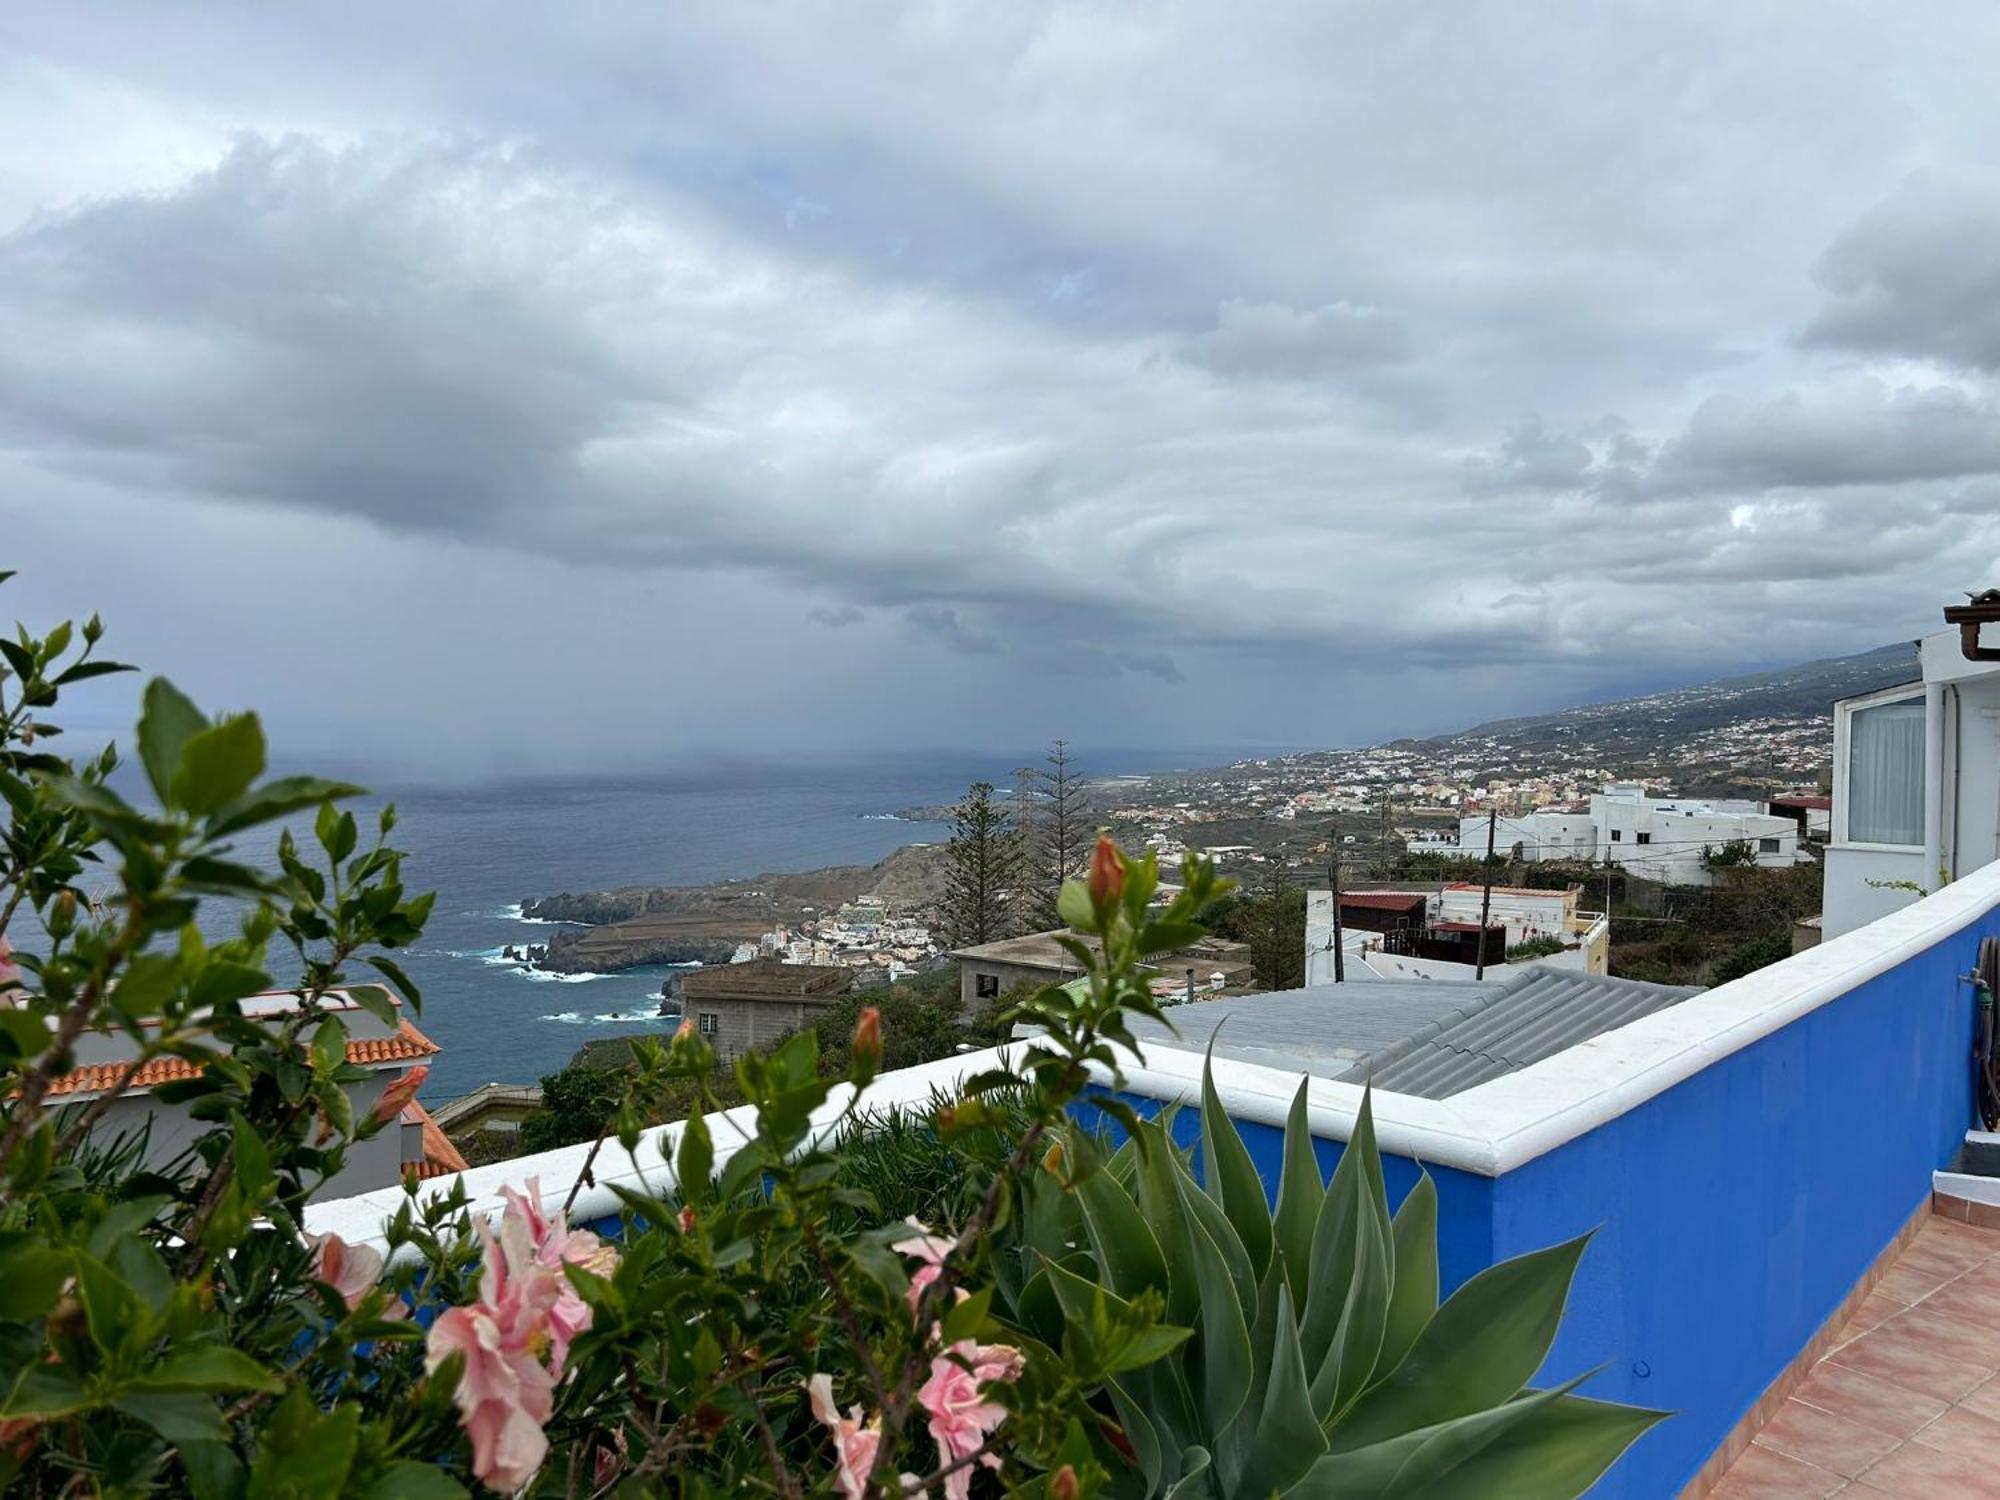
x,y
512,913
610,1017
883,818
545,976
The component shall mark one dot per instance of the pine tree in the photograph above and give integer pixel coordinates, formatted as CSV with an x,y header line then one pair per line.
x,y
1061,834
982,869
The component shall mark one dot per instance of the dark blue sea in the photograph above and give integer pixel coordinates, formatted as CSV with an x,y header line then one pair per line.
x,y
487,847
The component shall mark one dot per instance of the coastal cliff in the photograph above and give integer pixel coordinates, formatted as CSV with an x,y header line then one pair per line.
x,y
704,923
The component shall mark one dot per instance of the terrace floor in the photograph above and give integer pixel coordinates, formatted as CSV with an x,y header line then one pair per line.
x,y
1907,1402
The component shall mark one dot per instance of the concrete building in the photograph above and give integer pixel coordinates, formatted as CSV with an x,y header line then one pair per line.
x,y
1916,775
742,1007
389,1053
986,971
1665,839
1433,934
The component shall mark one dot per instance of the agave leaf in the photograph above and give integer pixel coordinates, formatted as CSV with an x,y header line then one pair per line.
x,y
1140,1434
1300,1191
1356,1345
1341,1214
1479,1350
1127,1254
1230,1176
1288,1440
1160,1203
1224,1370
1546,1445
1415,1296
1232,1445
1193,1483
1205,1211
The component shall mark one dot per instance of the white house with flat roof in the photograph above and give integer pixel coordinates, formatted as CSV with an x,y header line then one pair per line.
x,y
1666,839
1916,775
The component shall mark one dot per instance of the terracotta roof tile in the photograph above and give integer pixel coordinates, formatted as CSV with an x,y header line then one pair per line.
x,y
407,1045
441,1158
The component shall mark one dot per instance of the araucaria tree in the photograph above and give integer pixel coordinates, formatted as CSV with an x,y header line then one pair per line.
x,y
983,869
1060,833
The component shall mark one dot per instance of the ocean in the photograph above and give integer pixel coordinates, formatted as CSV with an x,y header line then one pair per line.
x,y
486,848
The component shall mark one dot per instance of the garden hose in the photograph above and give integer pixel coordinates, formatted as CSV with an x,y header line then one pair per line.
x,y
1985,979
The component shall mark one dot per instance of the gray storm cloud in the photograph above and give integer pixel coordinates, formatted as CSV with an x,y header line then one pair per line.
x,y
1060,346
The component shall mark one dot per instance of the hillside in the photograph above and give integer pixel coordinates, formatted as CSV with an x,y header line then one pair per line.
x,y
1805,690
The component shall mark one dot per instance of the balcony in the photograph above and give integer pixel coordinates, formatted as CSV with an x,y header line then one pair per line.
x,y
1749,1160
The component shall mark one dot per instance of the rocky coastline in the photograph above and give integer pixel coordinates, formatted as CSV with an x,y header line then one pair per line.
x,y
633,925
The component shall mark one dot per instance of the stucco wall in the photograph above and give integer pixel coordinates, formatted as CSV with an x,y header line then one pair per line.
x,y
1849,901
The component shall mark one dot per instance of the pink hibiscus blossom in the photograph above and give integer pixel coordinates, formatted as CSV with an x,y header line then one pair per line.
x,y
854,1441
960,1416
526,1309
931,1250
351,1270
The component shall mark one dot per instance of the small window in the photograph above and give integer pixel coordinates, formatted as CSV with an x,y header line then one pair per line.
x,y
1885,774
708,1023
1767,846
1617,835
986,986
1645,838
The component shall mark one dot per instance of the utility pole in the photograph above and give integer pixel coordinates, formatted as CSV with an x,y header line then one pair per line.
x,y
1333,879
1486,895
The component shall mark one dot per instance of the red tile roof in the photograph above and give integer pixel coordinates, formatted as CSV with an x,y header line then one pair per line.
x,y
1382,900
407,1045
441,1158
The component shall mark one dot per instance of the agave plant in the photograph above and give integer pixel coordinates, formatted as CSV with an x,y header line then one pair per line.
x,y
1321,1363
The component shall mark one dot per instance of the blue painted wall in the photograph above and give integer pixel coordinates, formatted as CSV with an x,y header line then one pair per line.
x,y
1733,1212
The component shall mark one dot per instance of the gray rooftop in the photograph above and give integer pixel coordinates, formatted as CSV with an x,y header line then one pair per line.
x,y
1430,1038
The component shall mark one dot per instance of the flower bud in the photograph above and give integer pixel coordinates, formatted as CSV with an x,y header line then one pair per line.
x,y
686,1220
1063,1485
868,1037
62,914
685,1029
1107,872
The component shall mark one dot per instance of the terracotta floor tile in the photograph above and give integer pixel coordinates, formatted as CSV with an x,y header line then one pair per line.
x,y
1766,1474
1877,1307
1904,1285
1862,1398
1826,1439
1920,1473
1985,1401
1956,1339
1902,1357
1962,1431
1936,1264
1971,1301
1963,1245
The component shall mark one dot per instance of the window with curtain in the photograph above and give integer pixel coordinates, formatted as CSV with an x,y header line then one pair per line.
x,y
1885,774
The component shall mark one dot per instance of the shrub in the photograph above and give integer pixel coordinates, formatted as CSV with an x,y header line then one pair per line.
x,y
760,1324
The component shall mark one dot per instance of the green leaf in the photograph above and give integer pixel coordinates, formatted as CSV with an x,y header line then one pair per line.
x,y
23,1034
1073,906
1229,1174
1480,1350
406,1479
45,1391
31,1277
277,798
218,764
84,670
177,1416
116,1315
302,1454
214,1471
1351,1357
393,972
329,1045
253,1159
1549,1445
1345,1207
1225,1333
223,877
209,1367
1414,1297
695,1159
166,723
1193,1483
1288,1440
1127,1254
336,832
1300,1192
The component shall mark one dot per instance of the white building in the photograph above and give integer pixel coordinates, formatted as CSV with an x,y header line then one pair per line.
x,y
1525,914
389,1053
1916,776
1657,838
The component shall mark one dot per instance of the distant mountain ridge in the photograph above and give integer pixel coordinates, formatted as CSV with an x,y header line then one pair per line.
x,y
1786,692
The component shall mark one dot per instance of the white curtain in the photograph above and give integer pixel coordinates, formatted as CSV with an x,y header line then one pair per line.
x,y
1885,774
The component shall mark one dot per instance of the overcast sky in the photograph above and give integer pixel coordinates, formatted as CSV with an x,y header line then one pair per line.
x,y
606,382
